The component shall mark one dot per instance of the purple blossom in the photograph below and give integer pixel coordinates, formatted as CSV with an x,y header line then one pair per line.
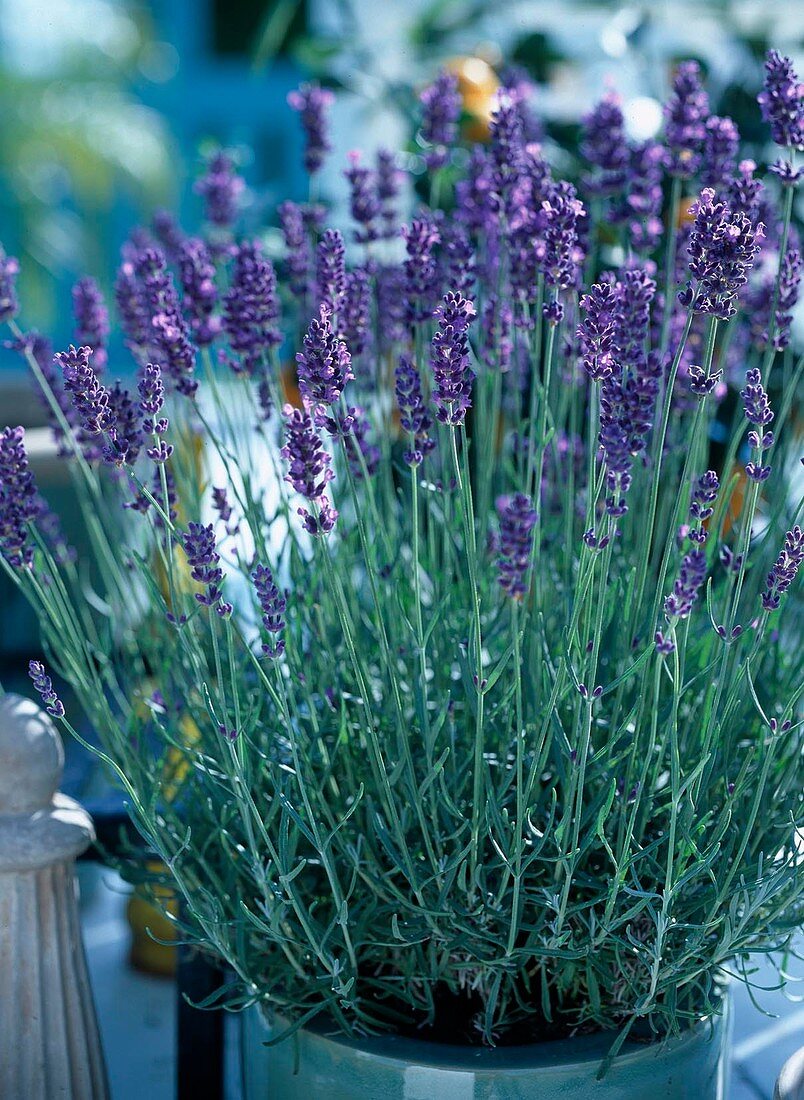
x,y
721,143
722,247
364,201
44,686
704,494
784,569
131,306
272,605
151,393
597,330
604,146
168,340
324,364
517,520
9,269
299,259
204,562
355,315
691,576
507,142
388,178
640,207
313,104
744,193
459,259
125,434
18,498
221,189
685,116
560,234
452,375
413,415
441,109
789,280
91,319
755,400
392,304
168,233
309,469
475,194
90,399
421,268
197,275
251,307
782,101
331,269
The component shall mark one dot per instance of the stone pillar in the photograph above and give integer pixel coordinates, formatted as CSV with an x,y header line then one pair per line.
x,y
49,1042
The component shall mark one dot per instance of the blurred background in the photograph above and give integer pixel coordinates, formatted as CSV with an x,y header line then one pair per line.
x,y
108,108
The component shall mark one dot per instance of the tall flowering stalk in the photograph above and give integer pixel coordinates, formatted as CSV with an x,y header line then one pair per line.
x,y
478,634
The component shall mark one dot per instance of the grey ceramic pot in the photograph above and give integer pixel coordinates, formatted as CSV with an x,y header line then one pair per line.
x,y
315,1064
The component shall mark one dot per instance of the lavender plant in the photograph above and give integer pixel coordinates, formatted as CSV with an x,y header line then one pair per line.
x,y
481,664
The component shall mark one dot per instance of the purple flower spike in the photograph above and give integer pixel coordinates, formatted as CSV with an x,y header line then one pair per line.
x,y
251,308
755,400
313,104
685,116
421,269
506,131
517,520
721,142
197,274
681,601
90,399
452,375
9,269
560,214
44,686
168,338
723,246
309,464
132,306
782,101
221,189
364,202
331,269
389,181
91,319
325,365
363,455
784,569
355,319
18,498
299,259
125,436
597,331
203,558
272,605
168,232
604,145
441,109
414,417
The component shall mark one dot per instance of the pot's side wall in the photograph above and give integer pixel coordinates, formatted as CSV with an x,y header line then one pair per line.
x,y
309,1065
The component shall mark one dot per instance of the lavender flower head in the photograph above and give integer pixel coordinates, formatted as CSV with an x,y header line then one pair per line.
x,y
324,364
91,319
272,605
685,116
721,143
152,394
9,269
517,520
44,686
299,260
755,400
603,145
309,469
691,576
782,101
560,215
704,495
251,307
784,569
204,562
452,375
421,268
331,269
132,306
723,246
364,201
441,109
313,104
168,232
221,189
506,131
355,318
197,274
168,340
90,399
596,331
413,415
18,498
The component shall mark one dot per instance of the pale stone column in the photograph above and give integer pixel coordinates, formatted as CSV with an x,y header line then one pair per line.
x,y
49,1042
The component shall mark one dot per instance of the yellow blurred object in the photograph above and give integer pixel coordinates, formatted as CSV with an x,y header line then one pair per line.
x,y
146,954
685,216
478,85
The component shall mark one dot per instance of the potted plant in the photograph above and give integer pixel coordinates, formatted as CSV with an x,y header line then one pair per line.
x,y
495,774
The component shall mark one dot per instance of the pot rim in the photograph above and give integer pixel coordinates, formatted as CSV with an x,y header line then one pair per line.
x,y
579,1051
